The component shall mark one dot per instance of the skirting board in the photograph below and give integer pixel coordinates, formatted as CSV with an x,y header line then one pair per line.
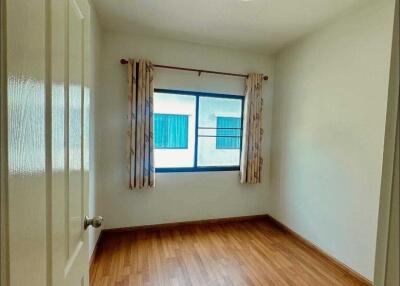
x,y
320,251
183,223
235,219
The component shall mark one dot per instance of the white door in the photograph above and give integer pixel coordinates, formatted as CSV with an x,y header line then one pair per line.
x,y
70,141
48,110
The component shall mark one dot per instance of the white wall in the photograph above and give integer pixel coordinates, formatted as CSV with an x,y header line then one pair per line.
x,y
328,132
93,196
177,196
387,259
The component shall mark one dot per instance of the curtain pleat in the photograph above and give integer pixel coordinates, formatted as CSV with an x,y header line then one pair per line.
x,y
140,133
251,159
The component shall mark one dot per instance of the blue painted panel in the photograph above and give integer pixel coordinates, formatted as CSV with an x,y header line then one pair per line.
x,y
171,131
228,142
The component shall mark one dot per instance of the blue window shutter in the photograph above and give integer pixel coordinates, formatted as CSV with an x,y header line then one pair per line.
x,y
171,131
228,142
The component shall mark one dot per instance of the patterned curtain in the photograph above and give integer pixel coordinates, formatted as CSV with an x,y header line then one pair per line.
x,y
140,116
251,161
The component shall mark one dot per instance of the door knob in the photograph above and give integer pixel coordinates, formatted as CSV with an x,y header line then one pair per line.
x,y
94,221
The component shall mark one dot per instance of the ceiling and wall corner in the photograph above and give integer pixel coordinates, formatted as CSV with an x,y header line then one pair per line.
x,y
260,26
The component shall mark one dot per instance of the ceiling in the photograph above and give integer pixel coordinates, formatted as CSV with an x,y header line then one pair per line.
x,y
262,26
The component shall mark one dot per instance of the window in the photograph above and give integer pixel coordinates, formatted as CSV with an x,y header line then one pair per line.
x,y
171,131
228,126
196,131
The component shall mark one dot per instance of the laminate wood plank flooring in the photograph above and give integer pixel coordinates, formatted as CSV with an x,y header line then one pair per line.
x,y
232,253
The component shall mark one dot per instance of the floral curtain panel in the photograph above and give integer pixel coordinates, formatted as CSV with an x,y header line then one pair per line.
x,y
140,116
251,161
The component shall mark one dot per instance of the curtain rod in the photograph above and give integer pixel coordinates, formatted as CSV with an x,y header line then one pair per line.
x,y
124,62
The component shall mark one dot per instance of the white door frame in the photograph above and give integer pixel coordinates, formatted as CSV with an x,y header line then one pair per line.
x,y
4,267
389,167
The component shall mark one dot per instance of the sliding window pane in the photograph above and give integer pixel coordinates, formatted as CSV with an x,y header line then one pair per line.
x,y
219,133
174,130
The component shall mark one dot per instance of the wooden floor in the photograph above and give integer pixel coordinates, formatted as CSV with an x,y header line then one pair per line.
x,y
237,253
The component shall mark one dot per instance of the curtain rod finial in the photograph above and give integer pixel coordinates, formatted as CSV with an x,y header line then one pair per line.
x,y
123,62
265,77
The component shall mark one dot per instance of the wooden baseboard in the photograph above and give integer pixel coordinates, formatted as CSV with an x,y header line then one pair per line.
x,y
187,223
338,263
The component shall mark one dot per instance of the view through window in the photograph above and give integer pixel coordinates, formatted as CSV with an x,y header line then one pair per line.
x,y
196,131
